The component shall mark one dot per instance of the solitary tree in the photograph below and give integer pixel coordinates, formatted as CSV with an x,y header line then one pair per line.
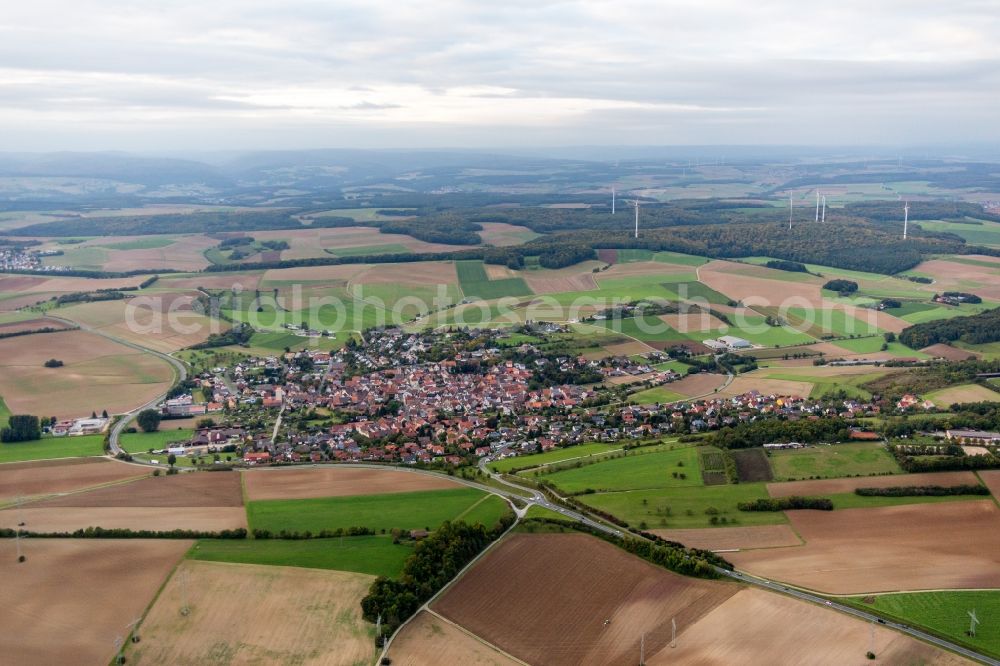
x,y
148,420
171,459
104,413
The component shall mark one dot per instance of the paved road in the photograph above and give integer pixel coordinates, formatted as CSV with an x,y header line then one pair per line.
x,y
123,422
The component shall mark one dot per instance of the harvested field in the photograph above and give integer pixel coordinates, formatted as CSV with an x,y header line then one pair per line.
x,y
991,478
428,640
644,268
255,614
847,485
721,276
427,273
31,325
498,272
48,477
194,489
502,234
165,322
629,348
314,273
962,394
960,276
68,601
692,322
698,384
729,538
579,277
952,545
303,483
746,383
536,592
248,280
752,465
159,519
758,627
695,348
186,254
948,352
98,374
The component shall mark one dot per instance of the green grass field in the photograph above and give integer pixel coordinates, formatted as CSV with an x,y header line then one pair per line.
x,y
140,442
686,506
633,472
945,614
655,394
535,511
987,233
873,344
679,259
555,455
697,291
415,510
855,501
362,250
833,461
53,447
149,243
373,555
476,283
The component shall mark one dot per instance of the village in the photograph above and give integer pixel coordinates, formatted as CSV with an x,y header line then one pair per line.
x,y
449,399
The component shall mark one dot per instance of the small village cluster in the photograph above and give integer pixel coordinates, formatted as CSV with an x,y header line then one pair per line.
x,y
384,400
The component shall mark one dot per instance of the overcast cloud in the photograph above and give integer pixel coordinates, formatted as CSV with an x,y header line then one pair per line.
x,y
224,74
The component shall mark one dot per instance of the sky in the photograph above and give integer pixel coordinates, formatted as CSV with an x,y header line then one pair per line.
x,y
156,75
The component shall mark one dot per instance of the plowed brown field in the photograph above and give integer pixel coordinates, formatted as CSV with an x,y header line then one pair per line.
x,y
48,477
757,627
301,483
952,545
428,640
181,490
69,600
157,519
847,485
573,599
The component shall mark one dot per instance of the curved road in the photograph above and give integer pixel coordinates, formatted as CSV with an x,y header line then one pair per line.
x,y
122,423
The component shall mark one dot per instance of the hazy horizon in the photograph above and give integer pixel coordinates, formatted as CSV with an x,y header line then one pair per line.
x,y
108,75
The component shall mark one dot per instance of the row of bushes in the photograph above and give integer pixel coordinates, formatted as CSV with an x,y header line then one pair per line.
x,y
322,534
924,491
787,504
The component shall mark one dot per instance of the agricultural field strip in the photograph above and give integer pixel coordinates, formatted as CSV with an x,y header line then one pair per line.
x,y
40,498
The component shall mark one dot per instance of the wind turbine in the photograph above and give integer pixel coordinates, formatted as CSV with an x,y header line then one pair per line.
x,y
823,218
791,208
612,199
817,206
973,621
906,219
636,205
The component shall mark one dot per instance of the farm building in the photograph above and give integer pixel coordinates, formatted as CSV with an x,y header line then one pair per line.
x,y
973,436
